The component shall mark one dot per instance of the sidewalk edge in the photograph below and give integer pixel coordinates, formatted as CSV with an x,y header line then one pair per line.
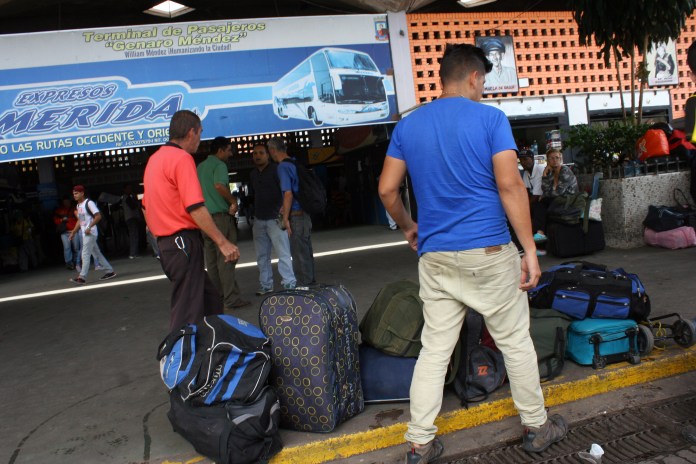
x,y
652,368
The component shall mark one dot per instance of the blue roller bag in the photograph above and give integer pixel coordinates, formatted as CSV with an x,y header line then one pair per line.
x,y
385,378
316,367
222,358
597,342
581,289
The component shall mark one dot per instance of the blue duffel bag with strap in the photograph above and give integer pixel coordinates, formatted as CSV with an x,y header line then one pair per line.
x,y
581,290
385,378
222,358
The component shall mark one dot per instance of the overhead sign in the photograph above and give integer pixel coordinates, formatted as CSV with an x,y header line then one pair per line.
x,y
81,91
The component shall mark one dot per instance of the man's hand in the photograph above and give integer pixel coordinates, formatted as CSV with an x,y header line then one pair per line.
x,y
233,209
411,235
229,251
530,272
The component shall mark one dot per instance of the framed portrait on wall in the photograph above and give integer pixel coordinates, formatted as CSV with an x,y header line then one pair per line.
x,y
662,63
500,51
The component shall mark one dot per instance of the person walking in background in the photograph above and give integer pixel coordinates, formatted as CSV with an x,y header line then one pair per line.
x,y
268,223
176,214
461,156
131,214
88,216
222,205
65,219
23,231
297,222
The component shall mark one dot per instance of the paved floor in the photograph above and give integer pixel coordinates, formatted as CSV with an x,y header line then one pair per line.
x,y
80,381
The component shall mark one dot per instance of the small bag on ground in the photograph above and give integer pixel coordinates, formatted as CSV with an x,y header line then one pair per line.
x,y
681,237
477,369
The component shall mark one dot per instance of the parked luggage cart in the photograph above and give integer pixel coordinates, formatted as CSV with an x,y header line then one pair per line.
x,y
653,332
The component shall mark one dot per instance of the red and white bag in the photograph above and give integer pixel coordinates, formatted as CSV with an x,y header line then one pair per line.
x,y
681,237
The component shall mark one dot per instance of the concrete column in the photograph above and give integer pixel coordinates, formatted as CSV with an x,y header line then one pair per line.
x,y
577,109
401,58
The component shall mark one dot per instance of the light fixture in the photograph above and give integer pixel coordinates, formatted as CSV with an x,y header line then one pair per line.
x,y
168,9
473,3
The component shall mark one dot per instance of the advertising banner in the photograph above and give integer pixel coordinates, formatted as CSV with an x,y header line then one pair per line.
x,y
79,91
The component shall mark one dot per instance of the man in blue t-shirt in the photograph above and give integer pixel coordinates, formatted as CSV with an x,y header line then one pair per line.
x,y
297,222
462,160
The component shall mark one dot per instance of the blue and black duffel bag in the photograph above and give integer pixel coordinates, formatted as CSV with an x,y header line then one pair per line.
x,y
222,358
581,289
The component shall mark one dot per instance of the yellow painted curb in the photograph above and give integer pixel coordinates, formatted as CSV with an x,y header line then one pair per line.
x,y
621,376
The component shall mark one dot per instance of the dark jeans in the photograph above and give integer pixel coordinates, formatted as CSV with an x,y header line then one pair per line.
x,y
193,294
539,210
301,249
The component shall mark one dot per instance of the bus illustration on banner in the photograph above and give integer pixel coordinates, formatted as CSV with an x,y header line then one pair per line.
x,y
333,85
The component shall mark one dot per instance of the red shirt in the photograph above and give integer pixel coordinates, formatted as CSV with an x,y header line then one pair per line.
x,y
62,212
172,190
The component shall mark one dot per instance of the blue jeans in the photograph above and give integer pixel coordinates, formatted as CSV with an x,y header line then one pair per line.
x,y
89,248
268,235
301,247
71,249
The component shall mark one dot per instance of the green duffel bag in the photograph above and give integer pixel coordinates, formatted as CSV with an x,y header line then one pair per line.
x,y
394,322
549,331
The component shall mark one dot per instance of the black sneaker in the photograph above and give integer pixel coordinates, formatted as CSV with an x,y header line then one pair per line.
x,y
108,275
78,280
537,439
425,454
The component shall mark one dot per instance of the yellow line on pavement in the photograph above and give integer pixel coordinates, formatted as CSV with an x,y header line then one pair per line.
x,y
622,376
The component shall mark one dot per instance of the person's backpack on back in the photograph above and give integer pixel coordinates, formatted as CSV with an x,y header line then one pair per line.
x,y
477,369
311,194
394,322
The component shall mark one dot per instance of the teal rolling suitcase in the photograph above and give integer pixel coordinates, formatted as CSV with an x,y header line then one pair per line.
x,y
598,342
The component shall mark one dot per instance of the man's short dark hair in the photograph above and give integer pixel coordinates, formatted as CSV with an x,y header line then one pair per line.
x,y
259,144
460,60
279,144
182,122
219,143
691,57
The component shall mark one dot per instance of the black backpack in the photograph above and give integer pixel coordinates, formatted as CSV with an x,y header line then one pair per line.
x,y
477,369
230,433
311,194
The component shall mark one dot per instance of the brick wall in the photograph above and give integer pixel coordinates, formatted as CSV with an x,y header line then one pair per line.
x,y
547,52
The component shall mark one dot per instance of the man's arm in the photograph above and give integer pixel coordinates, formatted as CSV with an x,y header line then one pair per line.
x,y
513,195
690,119
204,220
287,206
393,174
231,200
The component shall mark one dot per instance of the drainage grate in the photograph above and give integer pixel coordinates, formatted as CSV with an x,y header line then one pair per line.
x,y
628,436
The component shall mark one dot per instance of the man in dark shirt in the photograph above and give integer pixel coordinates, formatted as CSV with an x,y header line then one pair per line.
x,y
268,223
690,108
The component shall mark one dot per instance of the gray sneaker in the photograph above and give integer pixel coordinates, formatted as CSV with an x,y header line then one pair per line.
x,y
537,439
425,454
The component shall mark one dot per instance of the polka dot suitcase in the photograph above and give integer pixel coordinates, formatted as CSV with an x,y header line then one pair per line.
x,y
314,346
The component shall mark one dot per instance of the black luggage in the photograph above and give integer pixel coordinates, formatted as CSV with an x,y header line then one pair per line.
x,y
316,368
568,240
230,432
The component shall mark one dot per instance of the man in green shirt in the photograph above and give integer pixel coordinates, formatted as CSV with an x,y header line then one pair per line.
x,y
213,175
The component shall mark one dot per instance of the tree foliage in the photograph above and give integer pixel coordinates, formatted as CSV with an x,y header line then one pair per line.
x,y
620,28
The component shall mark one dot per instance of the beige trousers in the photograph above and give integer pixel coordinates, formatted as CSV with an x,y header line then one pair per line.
x,y
487,280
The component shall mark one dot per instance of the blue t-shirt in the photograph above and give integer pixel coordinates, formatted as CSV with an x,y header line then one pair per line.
x,y
287,173
448,146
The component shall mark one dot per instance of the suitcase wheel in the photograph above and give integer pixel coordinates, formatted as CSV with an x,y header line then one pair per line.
x,y
634,358
646,340
683,331
599,362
